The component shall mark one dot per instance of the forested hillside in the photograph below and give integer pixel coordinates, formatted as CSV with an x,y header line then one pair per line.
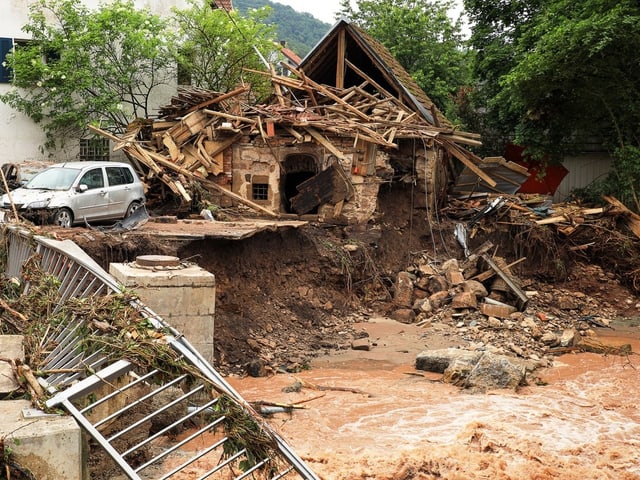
x,y
301,31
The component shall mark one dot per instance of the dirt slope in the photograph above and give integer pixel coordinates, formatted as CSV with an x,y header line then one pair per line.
x,y
285,297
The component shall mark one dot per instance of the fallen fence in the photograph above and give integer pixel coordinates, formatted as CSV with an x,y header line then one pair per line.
x,y
126,407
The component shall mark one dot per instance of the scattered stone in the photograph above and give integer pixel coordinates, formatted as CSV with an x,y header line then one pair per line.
x,y
500,311
477,288
422,305
361,344
473,369
426,270
419,294
496,372
550,338
494,322
464,300
438,360
403,289
454,277
569,338
439,299
404,315
450,265
437,283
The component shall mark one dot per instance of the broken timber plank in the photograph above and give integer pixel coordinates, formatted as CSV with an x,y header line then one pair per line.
x,y
325,91
220,98
633,219
167,163
521,297
325,187
461,155
486,275
326,143
229,116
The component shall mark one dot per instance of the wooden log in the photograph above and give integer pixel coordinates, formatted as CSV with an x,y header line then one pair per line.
x,y
461,155
633,219
228,116
321,89
318,137
220,98
167,163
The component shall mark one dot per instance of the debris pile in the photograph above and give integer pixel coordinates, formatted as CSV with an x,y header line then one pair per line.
x,y
483,302
189,142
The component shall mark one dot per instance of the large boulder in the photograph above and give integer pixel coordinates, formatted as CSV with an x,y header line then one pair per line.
x,y
473,369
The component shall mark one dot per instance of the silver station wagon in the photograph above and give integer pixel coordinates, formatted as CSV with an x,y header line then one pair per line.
x,y
77,192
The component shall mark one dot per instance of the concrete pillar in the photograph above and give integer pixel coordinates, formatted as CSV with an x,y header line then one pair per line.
x,y
182,294
49,446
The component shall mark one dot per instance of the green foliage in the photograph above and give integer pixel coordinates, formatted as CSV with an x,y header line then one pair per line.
x,y
422,37
85,66
300,30
216,47
549,73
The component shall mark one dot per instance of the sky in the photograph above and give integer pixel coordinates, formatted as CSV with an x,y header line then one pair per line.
x,y
321,9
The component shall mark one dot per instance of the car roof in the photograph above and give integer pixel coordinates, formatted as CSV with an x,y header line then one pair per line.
x,y
87,164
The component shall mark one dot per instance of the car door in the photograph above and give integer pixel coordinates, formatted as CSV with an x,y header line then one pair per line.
x,y
121,194
93,203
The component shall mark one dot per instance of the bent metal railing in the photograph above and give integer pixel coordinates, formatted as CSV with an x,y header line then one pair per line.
x,y
119,404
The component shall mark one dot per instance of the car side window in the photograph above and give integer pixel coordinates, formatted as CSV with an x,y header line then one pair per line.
x,y
119,176
93,179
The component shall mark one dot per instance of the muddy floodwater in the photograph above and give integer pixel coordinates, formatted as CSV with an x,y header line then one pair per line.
x,y
388,421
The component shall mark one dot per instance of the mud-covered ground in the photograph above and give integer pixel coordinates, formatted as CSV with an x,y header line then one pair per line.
x,y
290,299
287,296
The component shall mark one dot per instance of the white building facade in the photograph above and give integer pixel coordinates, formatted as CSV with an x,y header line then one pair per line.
x,y
22,140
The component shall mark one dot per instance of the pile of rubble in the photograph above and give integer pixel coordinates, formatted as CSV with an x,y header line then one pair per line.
x,y
482,302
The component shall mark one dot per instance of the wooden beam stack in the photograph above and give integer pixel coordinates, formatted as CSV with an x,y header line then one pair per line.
x,y
186,143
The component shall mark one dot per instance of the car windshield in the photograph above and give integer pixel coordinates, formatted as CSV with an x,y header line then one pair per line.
x,y
55,178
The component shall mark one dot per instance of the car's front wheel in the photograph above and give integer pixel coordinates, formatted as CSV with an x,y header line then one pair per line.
x,y
63,218
135,205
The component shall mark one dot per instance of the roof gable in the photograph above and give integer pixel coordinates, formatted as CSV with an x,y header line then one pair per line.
x,y
348,56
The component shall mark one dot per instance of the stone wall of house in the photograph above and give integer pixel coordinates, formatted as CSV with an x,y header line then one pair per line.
x,y
255,161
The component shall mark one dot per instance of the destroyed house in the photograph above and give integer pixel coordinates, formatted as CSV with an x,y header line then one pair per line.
x,y
348,119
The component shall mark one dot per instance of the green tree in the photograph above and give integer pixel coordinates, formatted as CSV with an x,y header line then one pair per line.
x,y
579,72
496,28
83,66
551,72
422,37
217,47
300,30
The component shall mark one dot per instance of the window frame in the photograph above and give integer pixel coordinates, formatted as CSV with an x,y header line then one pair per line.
x,y
94,149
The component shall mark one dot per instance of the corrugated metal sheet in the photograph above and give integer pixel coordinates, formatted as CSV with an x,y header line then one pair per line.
x,y
583,170
508,180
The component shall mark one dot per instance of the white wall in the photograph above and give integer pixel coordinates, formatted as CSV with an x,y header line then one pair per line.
x,y
20,138
583,170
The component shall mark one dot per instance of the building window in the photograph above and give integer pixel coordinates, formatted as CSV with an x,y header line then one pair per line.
x,y
6,45
94,149
260,191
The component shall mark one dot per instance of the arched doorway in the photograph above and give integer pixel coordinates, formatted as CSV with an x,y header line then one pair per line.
x,y
298,168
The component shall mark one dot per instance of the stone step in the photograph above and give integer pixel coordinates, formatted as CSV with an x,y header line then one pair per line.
x,y
11,347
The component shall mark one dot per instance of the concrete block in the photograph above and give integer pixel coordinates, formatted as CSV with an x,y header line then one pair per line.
x,y
183,301
10,347
188,276
49,446
182,297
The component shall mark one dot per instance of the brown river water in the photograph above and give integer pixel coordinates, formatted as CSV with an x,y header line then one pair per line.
x,y
386,420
